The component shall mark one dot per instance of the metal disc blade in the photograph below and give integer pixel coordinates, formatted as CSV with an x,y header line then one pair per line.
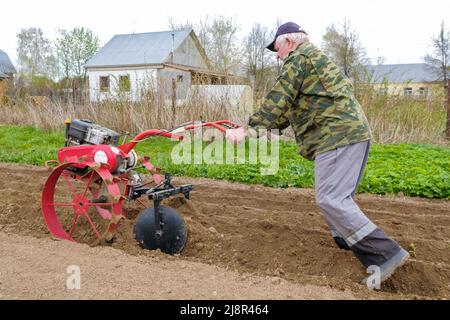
x,y
174,234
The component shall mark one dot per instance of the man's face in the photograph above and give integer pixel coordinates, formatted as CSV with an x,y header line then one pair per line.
x,y
284,49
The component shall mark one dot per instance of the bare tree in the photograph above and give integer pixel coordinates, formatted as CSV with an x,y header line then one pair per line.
x,y
439,60
201,29
344,48
439,63
380,60
175,26
219,39
223,44
257,59
35,54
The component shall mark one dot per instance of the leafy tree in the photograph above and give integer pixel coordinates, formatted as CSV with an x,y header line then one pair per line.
x,y
35,54
75,48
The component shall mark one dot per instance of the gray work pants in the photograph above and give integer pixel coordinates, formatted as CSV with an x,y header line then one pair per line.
x,y
337,175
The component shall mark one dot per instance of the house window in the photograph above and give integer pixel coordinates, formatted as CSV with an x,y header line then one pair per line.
x,y
407,92
104,84
124,83
179,78
423,91
382,91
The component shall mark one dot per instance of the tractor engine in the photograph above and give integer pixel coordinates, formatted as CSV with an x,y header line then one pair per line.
x,y
88,141
87,132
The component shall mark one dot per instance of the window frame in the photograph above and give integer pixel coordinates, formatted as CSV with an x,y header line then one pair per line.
x,y
103,87
127,86
407,91
422,92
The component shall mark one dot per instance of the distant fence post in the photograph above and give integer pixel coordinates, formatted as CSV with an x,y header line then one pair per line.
x,y
174,102
448,109
1,92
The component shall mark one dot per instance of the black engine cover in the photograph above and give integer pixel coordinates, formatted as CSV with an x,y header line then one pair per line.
x,y
83,131
78,129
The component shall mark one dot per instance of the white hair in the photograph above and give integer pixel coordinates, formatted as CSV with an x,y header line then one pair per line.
x,y
297,37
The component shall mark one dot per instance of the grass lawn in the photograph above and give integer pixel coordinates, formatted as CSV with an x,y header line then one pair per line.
x,y
411,169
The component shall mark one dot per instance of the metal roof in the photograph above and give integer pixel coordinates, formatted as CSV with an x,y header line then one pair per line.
x,y
138,49
400,73
6,65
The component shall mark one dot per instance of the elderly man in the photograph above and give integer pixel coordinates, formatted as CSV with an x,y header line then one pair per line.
x,y
314,97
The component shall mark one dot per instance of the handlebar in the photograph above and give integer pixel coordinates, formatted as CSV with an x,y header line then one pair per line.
x,y
221,125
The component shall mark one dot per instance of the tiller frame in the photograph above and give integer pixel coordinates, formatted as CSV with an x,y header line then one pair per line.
x,y
96,167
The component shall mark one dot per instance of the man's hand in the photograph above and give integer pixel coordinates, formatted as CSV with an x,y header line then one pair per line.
x,y
236,135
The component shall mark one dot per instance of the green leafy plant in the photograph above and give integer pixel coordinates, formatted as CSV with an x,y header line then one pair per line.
x,y
408,169
413,250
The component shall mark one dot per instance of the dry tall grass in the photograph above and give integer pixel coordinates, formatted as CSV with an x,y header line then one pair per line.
x,y
393,118
120,115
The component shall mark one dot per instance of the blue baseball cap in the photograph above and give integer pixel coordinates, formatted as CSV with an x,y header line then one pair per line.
x,y
288,27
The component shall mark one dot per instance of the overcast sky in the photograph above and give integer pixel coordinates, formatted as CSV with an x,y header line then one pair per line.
x,y
399,30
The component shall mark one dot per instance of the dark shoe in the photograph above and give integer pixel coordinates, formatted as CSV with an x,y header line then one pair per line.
x,y
388,268
341,243
375,249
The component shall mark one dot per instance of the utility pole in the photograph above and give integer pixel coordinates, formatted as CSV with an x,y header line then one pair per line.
x,y
173,48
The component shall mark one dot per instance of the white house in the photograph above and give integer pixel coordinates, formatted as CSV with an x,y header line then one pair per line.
x,y
131,65
413,79
7,71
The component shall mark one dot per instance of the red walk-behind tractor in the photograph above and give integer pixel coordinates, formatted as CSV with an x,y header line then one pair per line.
x,y
94,179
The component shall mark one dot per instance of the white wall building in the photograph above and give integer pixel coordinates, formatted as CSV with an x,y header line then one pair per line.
x,y
129,65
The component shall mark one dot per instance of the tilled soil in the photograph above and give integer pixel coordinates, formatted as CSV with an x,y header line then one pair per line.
x,y
33,268
242,232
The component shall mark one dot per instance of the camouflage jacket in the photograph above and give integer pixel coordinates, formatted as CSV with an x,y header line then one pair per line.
x,y
317,100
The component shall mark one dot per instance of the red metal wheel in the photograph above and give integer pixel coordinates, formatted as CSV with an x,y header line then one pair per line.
x,y
81,205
